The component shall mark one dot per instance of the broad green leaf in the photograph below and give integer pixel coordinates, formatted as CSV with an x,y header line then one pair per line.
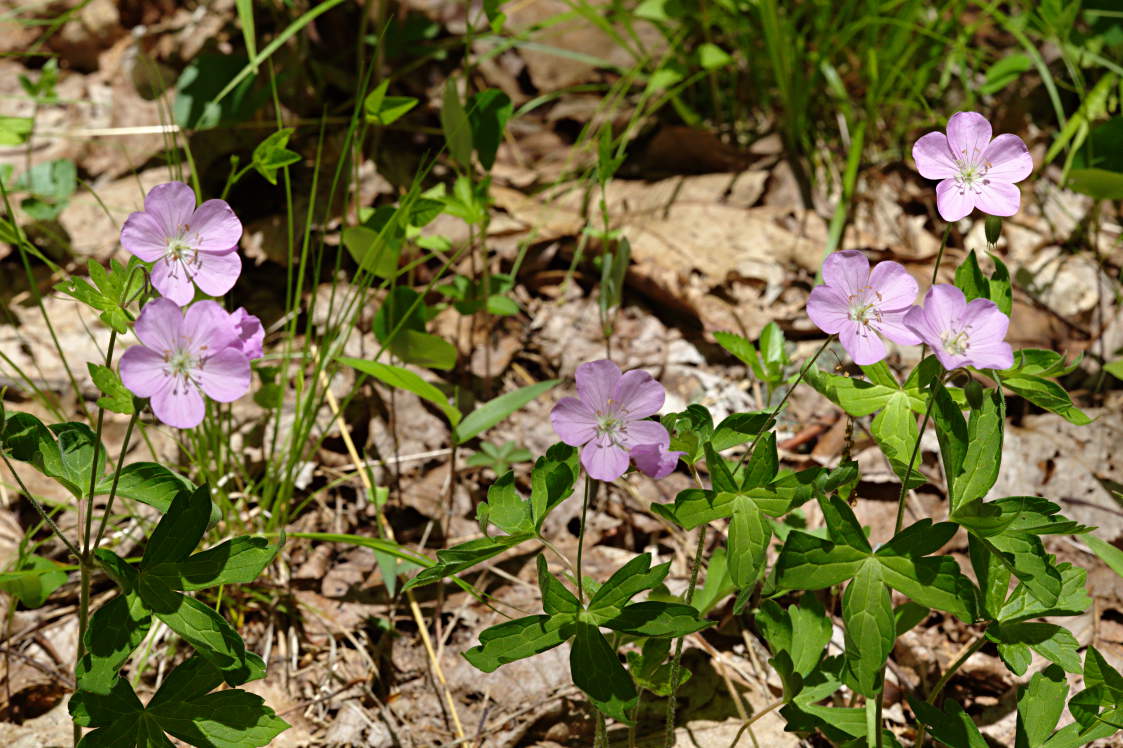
x,y
743,350
232,717
26,439
1001,292
423,349
556,599
749,535
552,481
895,431
867,614
116,398
1004,72
522,637
153,484
738,428
1100,184
934,581
1107,552
1072,600
197,105
984,450
810,563
15,130
1073,735
649,669
713,57
951,432
488,112
395,376
993,577
1048,395
763,464
721,479
180,529
32,588
655,618
375,251
802,631
101,709
271,155
1052,642
718,584
494,411
504,508
116,629
842,526
855,396
381,109
628,581
970,280
952,726
1025,556
236,561
597,671
200,626
1040,705
456,559
455,125
908,615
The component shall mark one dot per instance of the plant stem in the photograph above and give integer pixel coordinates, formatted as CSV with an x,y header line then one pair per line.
x,y
590,492
912,463
940,254
676,661
116,479
874,738
943,681
784,401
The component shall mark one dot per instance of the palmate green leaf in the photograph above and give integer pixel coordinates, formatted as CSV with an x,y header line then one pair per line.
x,y
1040,705
718,585
952,726
271,154
116,629
504,508
970,280
395,376
810,563
653,618
855,396
552,481
455,125
984,450
32,589
735,429
802,631
520,638
993,577
375,250
556,599
763,464
151,483
694,507
381,109
488,113
115,397
628,581
1072,600
63,452
1001,290
1073,735
743,349
494,411
456,559
895,431
649,669
1052,642
597,671
180,529
749,535
932,581
721,478
691,428
867,615
842,526
1107,552
1025,556
236,561
1048,395
951,432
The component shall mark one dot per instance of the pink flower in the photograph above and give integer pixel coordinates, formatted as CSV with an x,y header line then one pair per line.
x,y
251,335
976,172
188,244
182,356
861,306
609,421
962,333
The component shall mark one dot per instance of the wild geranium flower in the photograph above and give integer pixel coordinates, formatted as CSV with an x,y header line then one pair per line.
x,y
863,306
251,335
187,244
182,356
975,171
962,333
609,421
655,459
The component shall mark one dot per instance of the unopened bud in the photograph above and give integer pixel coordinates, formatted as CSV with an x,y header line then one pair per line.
x,y
974,393
993,229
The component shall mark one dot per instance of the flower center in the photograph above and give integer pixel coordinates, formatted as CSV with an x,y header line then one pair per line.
x,y
972,172
183,367
865,307
956,343
610,423
181,253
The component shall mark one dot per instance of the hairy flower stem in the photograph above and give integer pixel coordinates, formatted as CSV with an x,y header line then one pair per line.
x,y
912,463
116,480
676,661
940,254
784,401
943,681
590,492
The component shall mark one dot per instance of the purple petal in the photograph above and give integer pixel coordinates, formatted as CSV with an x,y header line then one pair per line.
x,y
170,205
638,394
828,308
574,421
1009,159
933,157
655,462
996,356
214,227
895,288
143,236
645,432
171,280
953,201
917,322
142,371
179,405
208,328
968,136
988,323
863,345
225,376
848,271
998,198
892,326
251,335
604,462
948,360
944,306
159,325
596,383
217,273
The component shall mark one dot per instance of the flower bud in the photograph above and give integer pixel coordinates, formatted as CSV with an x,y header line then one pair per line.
x,y
993,229
974,393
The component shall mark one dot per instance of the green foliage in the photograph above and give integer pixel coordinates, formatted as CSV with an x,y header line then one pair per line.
x,y
49,186
271,155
